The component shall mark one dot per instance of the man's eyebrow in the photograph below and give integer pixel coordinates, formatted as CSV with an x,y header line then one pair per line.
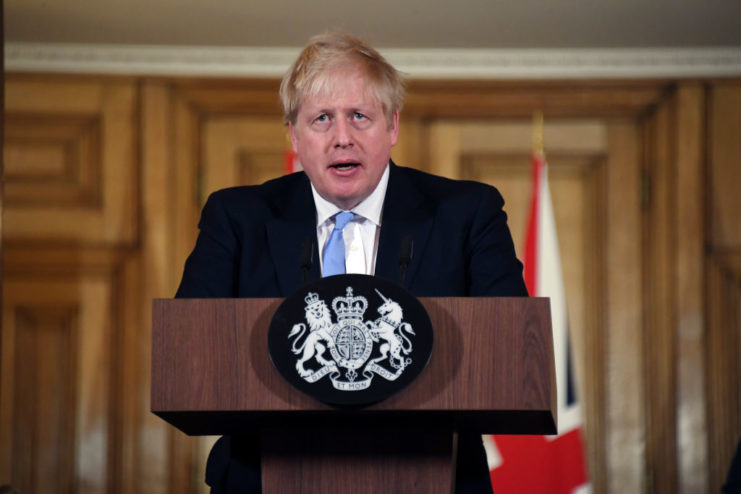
x,y
362,109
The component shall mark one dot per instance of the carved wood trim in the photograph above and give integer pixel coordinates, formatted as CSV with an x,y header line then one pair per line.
x,y
71,147
659,338
596,345
45,399
93,282
723,353
722,278
689,305
53,161
624,305
444,98
453,64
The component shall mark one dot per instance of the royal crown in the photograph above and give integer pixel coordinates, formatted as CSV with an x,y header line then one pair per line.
x,y
311,298
349,306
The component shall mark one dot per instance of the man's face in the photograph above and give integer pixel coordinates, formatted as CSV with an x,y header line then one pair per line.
x,y
343,140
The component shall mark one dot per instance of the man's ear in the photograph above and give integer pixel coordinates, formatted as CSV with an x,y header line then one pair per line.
x,y
394,129
294,137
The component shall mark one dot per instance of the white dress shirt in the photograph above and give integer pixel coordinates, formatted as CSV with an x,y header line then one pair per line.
x,y
360,235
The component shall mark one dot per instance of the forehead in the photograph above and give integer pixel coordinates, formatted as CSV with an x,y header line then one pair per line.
x,y
340,87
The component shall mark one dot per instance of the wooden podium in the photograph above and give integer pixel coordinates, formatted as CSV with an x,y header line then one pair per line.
x,y
491,372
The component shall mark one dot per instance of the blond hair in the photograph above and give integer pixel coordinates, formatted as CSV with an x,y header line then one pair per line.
x,y
330,52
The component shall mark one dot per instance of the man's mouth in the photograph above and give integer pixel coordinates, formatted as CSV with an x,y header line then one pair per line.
x,y
344,166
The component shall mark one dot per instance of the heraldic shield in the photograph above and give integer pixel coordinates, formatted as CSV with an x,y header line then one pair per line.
x,y
350,339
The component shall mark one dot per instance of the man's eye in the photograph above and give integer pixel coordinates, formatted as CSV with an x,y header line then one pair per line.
x,y
359,116
322,118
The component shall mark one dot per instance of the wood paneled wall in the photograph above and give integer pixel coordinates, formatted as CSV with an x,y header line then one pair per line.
x,y
105,177
722,276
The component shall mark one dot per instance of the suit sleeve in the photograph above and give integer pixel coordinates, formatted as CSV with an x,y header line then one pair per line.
x,y
210,270
493,269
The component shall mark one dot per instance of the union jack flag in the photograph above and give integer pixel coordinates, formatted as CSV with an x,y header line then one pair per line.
x,y
544,464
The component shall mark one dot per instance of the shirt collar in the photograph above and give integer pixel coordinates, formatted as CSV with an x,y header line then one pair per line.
x,y
370,208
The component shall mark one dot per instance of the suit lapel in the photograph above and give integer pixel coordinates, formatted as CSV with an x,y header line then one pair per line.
x,y
288,232
404,213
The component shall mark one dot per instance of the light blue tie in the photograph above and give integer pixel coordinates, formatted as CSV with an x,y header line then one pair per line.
x,y
334,254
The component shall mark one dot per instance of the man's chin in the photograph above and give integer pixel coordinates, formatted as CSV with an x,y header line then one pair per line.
x,y
346,201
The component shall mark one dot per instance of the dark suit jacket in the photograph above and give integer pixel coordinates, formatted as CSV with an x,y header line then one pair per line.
x,y
250,245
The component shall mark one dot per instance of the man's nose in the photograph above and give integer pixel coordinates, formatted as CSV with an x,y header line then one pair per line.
x,y
343,134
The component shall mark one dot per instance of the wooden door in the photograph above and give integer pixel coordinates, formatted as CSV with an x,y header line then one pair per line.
x,y
70,228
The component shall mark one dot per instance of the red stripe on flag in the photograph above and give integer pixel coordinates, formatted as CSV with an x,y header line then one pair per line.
x,y
535,465
530,272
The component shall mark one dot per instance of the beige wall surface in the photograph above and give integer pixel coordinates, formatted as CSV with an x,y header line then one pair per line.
x,y
105,178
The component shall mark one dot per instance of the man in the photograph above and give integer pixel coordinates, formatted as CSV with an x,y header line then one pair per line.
x,y
733,479
341,102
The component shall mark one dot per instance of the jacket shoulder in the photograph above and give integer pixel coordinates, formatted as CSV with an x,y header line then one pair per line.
x,y
272,194
438,187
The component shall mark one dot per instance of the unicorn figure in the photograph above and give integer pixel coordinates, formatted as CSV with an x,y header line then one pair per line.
x,y
391,330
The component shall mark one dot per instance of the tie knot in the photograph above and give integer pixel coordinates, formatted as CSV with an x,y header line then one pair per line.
x,y
342,219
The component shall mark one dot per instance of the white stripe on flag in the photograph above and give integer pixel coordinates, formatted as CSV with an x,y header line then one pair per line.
x,y
550,284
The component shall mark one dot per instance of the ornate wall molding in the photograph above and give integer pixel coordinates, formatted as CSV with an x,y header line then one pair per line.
x,y
417,63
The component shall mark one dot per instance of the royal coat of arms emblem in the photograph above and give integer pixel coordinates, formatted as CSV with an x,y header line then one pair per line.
x,y
350,339
343,349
